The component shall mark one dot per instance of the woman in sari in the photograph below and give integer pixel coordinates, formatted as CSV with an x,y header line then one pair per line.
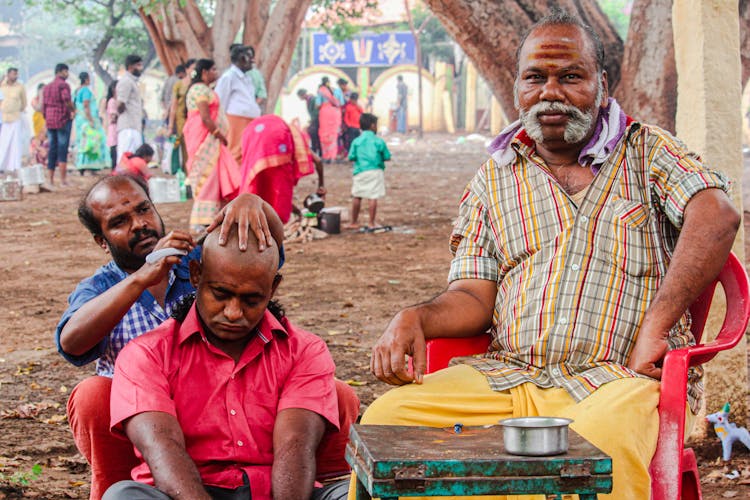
x,y
213,173
91,140
275,156
329,120
178,110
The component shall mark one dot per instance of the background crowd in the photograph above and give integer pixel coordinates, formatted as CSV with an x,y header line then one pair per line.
x,y
214,131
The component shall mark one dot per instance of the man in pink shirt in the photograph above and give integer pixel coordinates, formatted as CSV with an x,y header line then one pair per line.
x,y
227,399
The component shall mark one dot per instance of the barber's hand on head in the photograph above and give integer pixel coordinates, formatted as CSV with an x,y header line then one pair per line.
x,y
402,337
247,211
648,352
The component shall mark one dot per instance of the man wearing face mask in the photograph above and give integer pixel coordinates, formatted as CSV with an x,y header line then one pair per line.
x,y
237,95
579,245
129,108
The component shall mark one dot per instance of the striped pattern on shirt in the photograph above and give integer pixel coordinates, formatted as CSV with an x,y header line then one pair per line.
x,y
574,281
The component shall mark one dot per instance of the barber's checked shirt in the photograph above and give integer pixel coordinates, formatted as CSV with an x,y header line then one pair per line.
x,y
145,314
573,281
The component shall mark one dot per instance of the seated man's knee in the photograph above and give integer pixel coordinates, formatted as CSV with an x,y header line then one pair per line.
x,y
133,490
348,404
89,402
385,410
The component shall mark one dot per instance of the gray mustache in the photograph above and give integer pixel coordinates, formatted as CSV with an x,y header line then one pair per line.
x,y
555,107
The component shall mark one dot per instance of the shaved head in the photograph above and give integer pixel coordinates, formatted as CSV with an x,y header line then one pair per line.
x,y
233,289
230,252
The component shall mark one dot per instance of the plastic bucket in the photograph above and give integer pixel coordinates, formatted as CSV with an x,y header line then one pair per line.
x,y
330,221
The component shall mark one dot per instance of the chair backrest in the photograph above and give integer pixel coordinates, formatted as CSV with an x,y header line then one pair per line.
x,y
734,281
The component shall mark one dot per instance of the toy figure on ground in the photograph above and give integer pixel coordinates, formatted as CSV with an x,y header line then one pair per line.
x,y
728,432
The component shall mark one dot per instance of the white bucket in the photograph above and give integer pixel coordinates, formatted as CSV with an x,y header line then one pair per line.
x,y
163,190
173,190
32,175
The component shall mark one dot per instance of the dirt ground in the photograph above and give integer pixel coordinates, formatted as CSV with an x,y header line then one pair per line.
x,y
345,288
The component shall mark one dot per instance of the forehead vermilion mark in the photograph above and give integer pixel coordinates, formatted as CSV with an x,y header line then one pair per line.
x,y
555,54
554,50
552,46
557,49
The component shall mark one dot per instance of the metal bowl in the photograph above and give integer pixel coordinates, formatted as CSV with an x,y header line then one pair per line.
x,y
536,436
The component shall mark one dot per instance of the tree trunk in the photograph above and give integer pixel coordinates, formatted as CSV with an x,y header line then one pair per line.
x,y
648,88
256,18
276,47
745,40
179,31
490,31
229,16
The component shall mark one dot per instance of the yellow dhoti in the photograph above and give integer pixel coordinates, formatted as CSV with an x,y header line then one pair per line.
x,y
620,418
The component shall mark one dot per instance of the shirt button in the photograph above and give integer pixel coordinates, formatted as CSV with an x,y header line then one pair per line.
x,y
232,412
563,321
584,218
556,372
240,443
575,267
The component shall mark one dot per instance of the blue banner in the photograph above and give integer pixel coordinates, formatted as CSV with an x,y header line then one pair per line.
x,y
376,49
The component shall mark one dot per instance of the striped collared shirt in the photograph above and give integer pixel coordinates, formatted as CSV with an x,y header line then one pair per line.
x,y
574,281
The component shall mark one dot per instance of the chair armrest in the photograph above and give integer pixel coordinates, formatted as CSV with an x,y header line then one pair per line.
x,y
703,353
665,466
734,281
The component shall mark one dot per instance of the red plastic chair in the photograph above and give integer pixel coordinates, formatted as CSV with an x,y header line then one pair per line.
x,y
674,471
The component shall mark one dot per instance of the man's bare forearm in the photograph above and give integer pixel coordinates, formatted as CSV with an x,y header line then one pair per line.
x,y
706,238
296,436
97,317
159,438
464,309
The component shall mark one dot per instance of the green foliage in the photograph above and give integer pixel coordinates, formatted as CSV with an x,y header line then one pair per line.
x,y
111,25
618,12
20,478
335,16
435,40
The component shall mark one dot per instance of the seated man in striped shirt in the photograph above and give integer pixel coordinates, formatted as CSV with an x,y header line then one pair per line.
x,y
579,245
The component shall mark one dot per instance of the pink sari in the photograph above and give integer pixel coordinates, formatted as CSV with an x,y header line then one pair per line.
x,y
275,156
330,123
213,173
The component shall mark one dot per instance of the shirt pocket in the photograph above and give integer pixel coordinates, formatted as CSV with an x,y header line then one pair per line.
x,y
632,246
260,411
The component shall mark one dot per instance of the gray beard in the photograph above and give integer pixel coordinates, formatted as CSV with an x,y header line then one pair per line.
x,y
578,126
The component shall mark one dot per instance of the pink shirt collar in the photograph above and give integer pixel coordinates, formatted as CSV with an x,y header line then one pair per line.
x,y
266,329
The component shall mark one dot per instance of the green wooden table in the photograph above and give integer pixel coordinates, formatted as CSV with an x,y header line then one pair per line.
x,y
392,461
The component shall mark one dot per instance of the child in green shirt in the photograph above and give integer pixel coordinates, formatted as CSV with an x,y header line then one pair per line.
x,y
369,154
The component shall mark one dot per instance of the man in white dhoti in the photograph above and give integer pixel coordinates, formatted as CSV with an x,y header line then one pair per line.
x,y
129,108
11,134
